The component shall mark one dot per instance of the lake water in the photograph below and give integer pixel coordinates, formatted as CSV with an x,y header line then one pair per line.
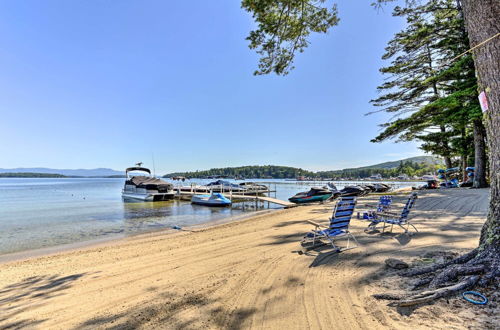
x,y
37,213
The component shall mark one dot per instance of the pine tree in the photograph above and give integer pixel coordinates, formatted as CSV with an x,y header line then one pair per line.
x,y
480,266
439,101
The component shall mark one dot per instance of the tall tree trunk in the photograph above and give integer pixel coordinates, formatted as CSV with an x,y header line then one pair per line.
x,y
464,166
447,162
446,147
479,155
482,21
465,153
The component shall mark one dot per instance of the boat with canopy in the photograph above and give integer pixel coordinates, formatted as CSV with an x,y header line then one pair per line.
x,y
146,187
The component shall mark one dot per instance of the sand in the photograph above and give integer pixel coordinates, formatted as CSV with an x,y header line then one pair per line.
x,y
244,274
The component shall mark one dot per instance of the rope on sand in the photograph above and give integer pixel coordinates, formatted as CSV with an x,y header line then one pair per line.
x,y
483,300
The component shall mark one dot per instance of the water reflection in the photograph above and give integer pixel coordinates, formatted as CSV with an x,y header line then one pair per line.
x,y
144,216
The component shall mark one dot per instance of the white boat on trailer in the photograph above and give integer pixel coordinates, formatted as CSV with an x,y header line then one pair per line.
x,y
146,187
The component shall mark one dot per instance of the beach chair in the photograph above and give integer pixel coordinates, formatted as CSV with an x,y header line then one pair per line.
x,y
339,226
388,218
384,205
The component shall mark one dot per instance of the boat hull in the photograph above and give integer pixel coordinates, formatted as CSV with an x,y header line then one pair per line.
x,y
148,197
310,199
207,200
210,204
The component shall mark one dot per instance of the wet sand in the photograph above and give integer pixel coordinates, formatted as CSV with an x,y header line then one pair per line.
x,y
242,274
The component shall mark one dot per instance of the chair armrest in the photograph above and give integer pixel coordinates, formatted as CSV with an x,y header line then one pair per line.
x,y
315,224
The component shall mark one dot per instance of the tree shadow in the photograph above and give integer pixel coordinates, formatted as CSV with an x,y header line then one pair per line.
x,y
32,291
168,310
284,239
289,223
328,209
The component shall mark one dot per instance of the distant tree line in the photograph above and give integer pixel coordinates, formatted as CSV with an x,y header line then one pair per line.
x,y
405,167
284,172
256,172
31,175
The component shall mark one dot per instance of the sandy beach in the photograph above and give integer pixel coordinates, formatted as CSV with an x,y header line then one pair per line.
x,y
246,274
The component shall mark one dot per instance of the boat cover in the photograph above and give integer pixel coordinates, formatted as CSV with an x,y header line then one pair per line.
x,y
149,183
224,184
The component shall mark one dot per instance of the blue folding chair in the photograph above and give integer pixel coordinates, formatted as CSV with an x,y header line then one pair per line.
x,y
390,218
339,226
384,205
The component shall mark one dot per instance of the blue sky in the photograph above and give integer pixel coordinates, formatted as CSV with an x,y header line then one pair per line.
x,y
88,84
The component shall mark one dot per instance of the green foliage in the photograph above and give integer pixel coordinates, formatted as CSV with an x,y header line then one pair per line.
x,y
433,101
411,166
408,167
255,172
283,27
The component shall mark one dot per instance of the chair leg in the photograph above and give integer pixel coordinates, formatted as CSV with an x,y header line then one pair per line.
x,y
314,238
335,247
405,229
354,238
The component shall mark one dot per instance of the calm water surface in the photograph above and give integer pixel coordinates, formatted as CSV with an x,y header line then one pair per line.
x,y
36,213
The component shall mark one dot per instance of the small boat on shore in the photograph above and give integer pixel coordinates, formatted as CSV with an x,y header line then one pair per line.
x,y
146,187
215,199
381,187
315,194
353,191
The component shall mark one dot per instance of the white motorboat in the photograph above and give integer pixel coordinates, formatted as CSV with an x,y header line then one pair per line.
x,y
146,187
253,187
225,186
215,199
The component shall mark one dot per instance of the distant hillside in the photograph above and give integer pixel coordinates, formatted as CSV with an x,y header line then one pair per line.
x,y
410,166
428,160
96,172
414,166
31,175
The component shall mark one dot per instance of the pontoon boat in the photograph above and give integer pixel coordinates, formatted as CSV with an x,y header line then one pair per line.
x,y
146,187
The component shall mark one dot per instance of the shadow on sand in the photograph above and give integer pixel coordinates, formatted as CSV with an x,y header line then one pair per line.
x,y
173,311
32,291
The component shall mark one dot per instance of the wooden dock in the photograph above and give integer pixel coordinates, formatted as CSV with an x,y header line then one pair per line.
x,y
286,204
232,196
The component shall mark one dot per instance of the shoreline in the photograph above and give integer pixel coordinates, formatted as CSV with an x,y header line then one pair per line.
x,y
247,274
104,241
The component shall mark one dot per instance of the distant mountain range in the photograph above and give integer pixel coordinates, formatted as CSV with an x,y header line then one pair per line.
x,y
66,172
